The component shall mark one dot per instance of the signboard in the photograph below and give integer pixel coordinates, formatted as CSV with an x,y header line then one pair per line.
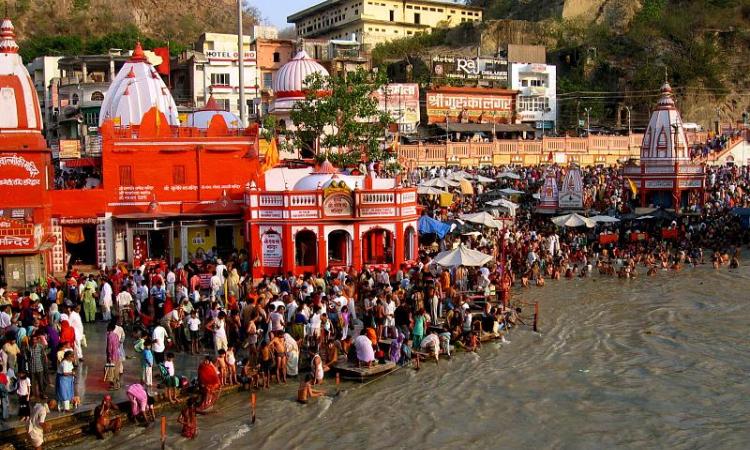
x,y
271,248
304,214
377,211
16,235
70,149
459,106
452,68
229,55
29,173
270,214
338,205
408,210
135,193
79,220
659,184
401,102
690,183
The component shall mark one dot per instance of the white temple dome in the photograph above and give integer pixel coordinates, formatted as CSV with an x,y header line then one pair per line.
x,y
18,98
202,118
665,138
136,89
288,85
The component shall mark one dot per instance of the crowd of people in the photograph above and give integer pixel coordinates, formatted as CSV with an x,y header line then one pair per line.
x,y
257,333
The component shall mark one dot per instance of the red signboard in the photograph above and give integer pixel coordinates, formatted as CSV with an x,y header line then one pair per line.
x,y
471,106
16,235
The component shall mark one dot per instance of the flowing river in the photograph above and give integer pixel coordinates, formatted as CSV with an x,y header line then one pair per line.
x,y
660,362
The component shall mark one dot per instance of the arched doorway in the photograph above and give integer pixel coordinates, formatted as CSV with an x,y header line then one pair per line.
x,y
377,247
305,249
339,248
410,237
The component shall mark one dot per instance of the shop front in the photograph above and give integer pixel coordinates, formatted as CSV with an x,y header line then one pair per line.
x,y
24,251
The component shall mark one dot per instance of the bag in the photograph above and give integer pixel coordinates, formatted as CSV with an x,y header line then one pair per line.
x,y
84,344
110,373
138,346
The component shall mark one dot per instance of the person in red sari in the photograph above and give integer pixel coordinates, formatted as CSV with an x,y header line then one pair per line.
x,y
188,419
210,384
67,334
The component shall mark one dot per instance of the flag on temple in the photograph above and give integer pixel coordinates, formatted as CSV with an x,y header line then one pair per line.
x,y
272,156
633,187
163,52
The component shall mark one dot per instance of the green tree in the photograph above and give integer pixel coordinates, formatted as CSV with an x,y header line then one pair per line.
x,y
341,114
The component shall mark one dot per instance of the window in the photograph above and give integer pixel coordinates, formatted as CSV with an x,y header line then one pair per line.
x,y
391,15
276,57
92,119
533,104
220,79
178,174
126,175
524,83
97,96
417,18
223,103
408,6
268,80
74,99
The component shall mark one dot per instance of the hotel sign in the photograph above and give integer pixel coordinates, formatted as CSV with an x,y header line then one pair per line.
x,y
475,107
229,56
449,67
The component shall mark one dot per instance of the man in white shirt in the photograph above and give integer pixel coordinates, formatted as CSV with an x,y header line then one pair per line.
x,y
105,300
216,287
159,337
124,301
4,318
74,318
171,278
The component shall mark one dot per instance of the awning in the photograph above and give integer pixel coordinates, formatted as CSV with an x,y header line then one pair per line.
x,y
485,127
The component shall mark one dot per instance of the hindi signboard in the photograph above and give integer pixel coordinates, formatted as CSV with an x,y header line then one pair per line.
x,y
272,249
401,102
70,149
474,107
338,205
17,235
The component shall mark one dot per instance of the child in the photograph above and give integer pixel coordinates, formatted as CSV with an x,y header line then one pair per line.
x,y
221,364
194,324
306,392
23,389
172,381
188,419
249,375
266,362
231,366
147,363
473,342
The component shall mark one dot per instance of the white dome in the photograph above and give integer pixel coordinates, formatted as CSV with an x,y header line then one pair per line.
x,y
288,86
312,182
18,98
202,118
136,89
665,138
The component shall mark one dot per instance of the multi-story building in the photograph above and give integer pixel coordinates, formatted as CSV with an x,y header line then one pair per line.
x,y
536,83
43,70
212,69
271,55
371,22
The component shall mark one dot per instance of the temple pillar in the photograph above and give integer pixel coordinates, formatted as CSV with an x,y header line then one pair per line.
x,y
356,248
322,250
399,240
676,198
287,241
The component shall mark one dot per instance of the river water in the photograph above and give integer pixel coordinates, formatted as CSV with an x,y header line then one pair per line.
x,y
658,362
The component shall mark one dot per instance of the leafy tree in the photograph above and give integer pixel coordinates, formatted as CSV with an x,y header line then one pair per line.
x,y
341,115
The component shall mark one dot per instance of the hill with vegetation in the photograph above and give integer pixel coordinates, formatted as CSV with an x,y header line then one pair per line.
x,y
617,53
69,27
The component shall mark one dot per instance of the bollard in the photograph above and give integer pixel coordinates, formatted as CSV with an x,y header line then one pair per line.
x,y
163,432
252,408
536,317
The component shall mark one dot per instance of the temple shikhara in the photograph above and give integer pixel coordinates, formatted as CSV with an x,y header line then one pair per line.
x,y
666,176
173,192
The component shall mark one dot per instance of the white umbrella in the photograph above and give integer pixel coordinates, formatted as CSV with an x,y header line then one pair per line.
x,y
462,256
511,191
462,174
429,190
604,219
440,183
482,218
511,175
503,203
483,179
573,220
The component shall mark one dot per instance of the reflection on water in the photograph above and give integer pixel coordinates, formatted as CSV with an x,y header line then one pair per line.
x,y
657,362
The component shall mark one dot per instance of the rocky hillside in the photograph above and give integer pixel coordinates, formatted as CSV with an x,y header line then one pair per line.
x,y
58,22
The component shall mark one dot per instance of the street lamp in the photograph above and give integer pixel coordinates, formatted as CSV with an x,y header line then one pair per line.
x,y
627,108
588,121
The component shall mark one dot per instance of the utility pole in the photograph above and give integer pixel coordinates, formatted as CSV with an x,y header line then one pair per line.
x,y
241,63
627,108
588,120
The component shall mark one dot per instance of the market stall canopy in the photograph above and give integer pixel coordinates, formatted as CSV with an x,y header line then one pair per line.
x,y
461,175
483,179
482,218
462,256
440,183
511,191
430,190
509,175
427,225
604,219
466,187
506,204
573,220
